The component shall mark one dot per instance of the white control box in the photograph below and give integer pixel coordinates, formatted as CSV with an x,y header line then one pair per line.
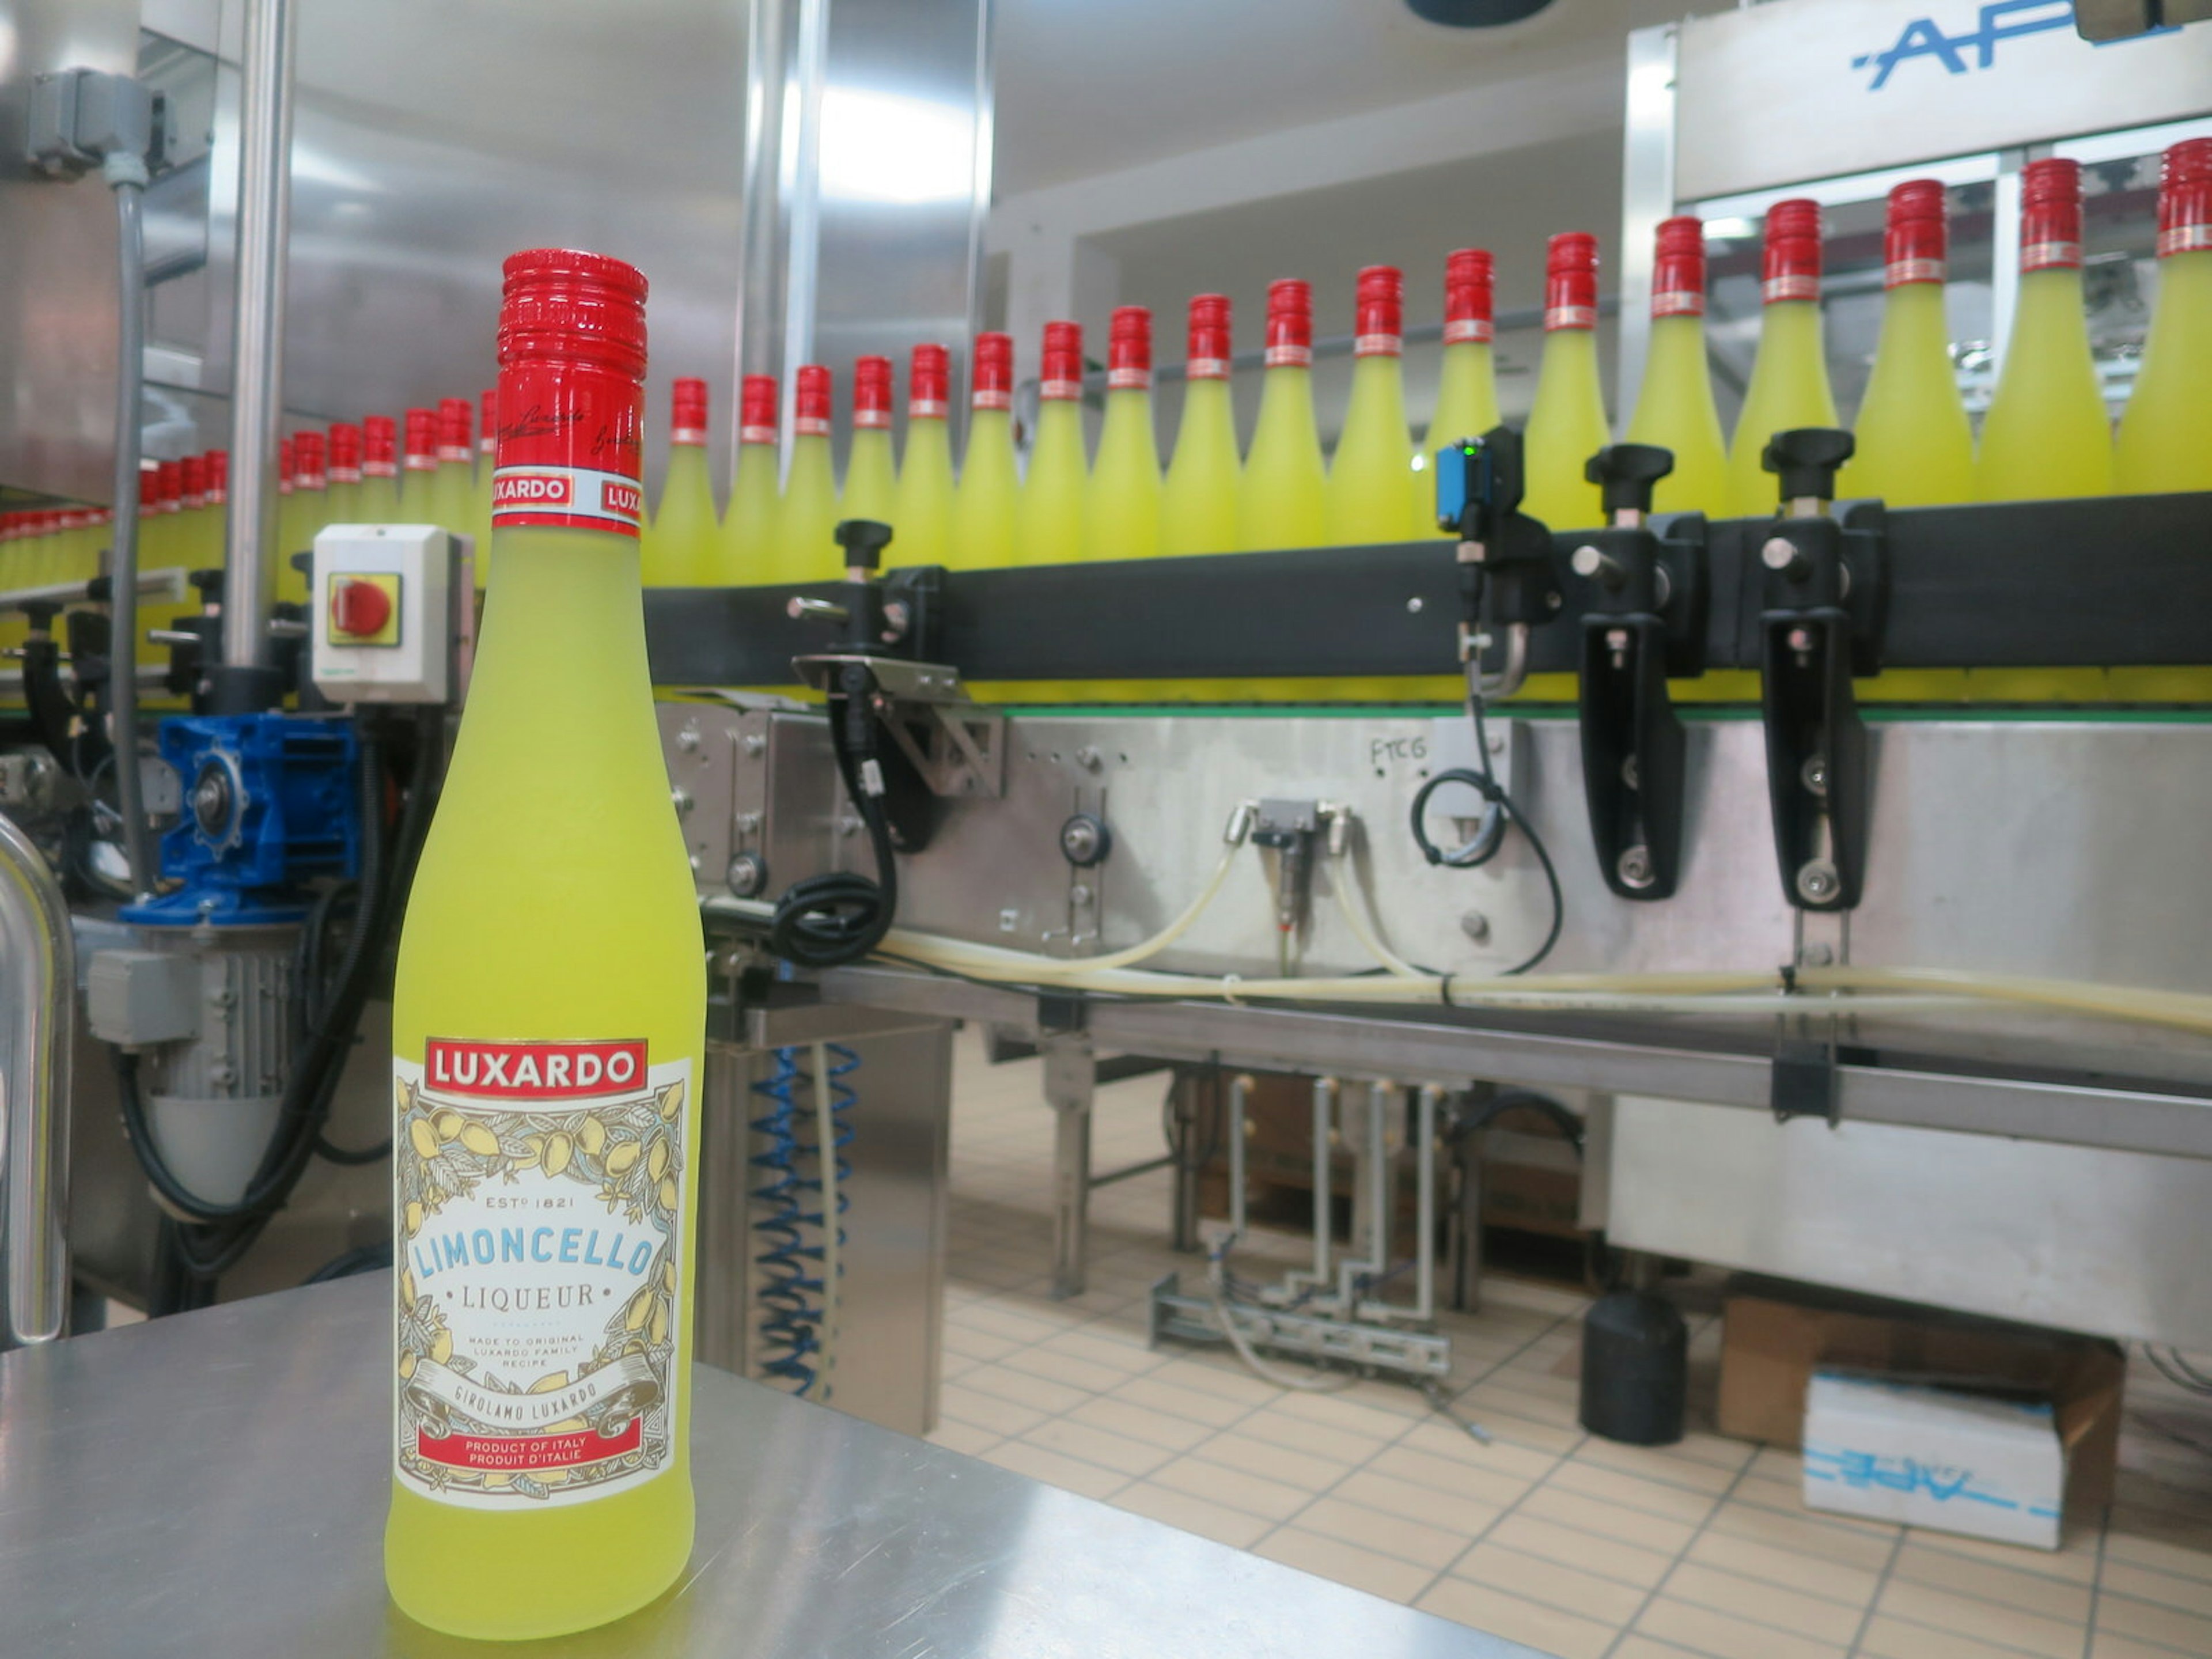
x,y
382,621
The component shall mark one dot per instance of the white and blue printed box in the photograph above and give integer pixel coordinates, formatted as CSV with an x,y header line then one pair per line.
x,y
1934,1457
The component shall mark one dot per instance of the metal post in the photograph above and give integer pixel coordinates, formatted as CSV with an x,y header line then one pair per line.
x,y
1240,1102
257,403
1071,1082
766,223
1647,196
1324,1104
1425,1203
37,1022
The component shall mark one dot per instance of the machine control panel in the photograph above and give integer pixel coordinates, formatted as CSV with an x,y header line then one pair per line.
x,y
383,613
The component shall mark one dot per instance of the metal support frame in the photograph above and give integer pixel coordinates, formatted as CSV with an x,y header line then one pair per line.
x,y
38,1018
1070,1087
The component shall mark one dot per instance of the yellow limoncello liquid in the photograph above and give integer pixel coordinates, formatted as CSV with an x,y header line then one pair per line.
x,y
1282,499
1567,427
749,529
540,913
1674,410
921,507
1789,390
678,545
983,507
872,477
1374,494
1048,514
1123,521
1197,499
1467,403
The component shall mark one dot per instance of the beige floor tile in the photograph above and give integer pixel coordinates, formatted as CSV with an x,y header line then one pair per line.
x,y
1503,1393
1100,1446
1649,1531
957,1402
1633,1646
1631,1491
1024,1388
1085,1374
956,1435
2012,1584
973,1344
1224,1381
2075,1560
1347,1564
1505,1427
1433,1547
1174,1434
1338,1412
2140,1549
1439,1439
1662,1466
1103,1344
1297,1434
1412,1501
1152,1391
1238,1489
1763,1602
1886,1637
2147,1621
2167,1589
995,1319
1547,1629
1550,1582
1179,1508
1604,1556
1855,1546
1071,1474
1988,1621
1455,1476
1725,1636
1813,1574
1312,1474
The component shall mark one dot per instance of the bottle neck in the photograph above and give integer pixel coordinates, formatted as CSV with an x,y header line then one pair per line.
x,y
564,615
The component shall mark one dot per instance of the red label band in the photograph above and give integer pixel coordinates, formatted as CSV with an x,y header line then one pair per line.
x,y
1377,345
1678,302
873,420
992,399
1558,317
575,421
1898,272
532,1071
1776,289
1465,331
567,497
1128,379
688,435
2050,256
2185,239
1290,356
522,1453
1060,391
926,409
756,434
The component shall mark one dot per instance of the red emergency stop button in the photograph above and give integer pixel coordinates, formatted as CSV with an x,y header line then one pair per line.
x,y
359,609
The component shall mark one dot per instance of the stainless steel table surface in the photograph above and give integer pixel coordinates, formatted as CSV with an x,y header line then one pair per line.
x,y
214,1485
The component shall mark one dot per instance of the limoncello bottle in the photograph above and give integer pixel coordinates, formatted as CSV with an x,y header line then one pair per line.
x,y
679,543
749,529
417,486
487,463
1048,515
1566,420
311,501
1467,376
2046,434
922,507
548,1023
191,505
1789,385
1282,499
454,485
1374,493
983,506
2165,435
809,486
1674,408
380,470
1124,519
346,444
871,468
1198,500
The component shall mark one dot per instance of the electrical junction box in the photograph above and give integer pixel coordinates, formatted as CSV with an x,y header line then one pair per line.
x,y
139,997
382,613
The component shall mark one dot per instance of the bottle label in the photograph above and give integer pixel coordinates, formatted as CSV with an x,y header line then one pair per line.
x,y
1792,286
811,426
345,475
1290,356
1062,392
422,463
1207,368
992,397
1377,345
571,451
687,434
1466,331
2049,256
458,452
1679,302
1128,379
926,409
756,434
572,497
1898,272
540,1192
1558,317
873,420
2185,239
379,469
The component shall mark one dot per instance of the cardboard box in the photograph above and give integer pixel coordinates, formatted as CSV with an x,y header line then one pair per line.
x,y
1775,1337
1934,1457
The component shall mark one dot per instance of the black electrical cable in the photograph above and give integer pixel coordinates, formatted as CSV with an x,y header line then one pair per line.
x,y
1508,1100
2177,1369
828,920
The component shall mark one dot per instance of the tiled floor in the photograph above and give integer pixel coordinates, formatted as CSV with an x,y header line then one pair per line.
x,y
1575,1546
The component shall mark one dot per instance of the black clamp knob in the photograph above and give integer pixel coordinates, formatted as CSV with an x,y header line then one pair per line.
x,y
864,541
1805,460
208,584
1627,474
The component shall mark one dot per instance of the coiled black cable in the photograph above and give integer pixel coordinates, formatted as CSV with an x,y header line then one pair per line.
x,y
828,920
1482,849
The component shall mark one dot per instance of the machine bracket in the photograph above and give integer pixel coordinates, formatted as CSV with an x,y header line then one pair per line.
x,y
1195,1319
957,748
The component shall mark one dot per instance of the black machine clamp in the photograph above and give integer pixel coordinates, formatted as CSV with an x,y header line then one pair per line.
x,y
1819,624
1507,580
1644,619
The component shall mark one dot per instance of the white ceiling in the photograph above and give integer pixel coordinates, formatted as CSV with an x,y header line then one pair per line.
x,y
1087,86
